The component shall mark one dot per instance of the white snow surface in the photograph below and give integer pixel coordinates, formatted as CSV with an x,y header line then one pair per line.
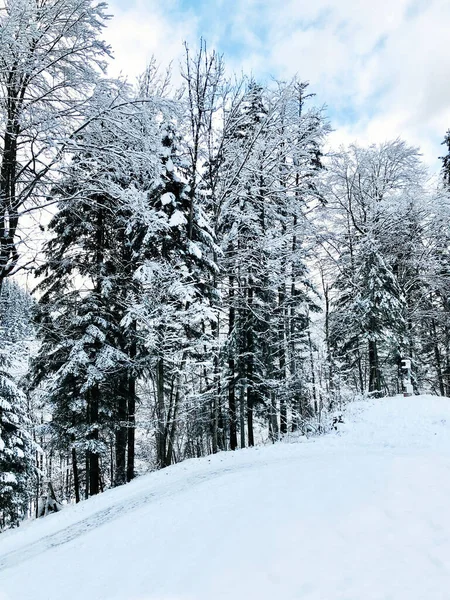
x,y
360,514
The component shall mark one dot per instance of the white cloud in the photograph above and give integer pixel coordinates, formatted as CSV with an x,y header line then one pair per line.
x,y
386,63
143,30
382,68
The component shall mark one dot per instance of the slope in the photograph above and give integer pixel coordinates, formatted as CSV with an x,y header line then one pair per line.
x,y
357,515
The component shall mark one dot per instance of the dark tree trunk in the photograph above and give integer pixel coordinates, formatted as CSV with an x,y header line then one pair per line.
x,y
121,438
438,359
273,421
313,375
250,366
216,393
76,479
231,368
161,431
242,415
87,477
94,458
250,403
8,202
172,426
374,368
131,426
282,358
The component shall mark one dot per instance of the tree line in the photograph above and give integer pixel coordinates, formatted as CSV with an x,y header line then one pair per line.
x,y
210,277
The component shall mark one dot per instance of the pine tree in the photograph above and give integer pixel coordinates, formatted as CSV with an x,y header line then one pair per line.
x,y
446,161
17,465
261,225
173,308
85,347
371,313
374,191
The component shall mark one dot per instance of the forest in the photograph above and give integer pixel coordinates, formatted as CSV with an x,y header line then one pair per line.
x,y
187,268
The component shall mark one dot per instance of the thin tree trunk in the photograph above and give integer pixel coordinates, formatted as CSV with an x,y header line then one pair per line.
x,y
282,357
94,459
242,415
161,442
231,368
250,403
437,356
313,375
87,477
216,394
173,426
249,364
131,426
232,405
121,437
374,368
273,421
76,479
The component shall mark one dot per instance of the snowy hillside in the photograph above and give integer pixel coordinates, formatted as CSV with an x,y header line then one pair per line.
x,y
358,515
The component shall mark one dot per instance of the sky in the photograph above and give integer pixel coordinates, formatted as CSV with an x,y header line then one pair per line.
x,y
381,67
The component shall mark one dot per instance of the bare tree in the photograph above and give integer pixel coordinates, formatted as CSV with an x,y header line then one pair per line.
x,y
51,59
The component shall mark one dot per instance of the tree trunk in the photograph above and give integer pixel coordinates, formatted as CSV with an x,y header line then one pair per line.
x,y
160,434
437,356
86,477
216,393
242,415
273,421
313,375
121,436
8,203
131,426
251,439
94,459
76,479
172,426
250,366
232,405
231,368
282,358
374,368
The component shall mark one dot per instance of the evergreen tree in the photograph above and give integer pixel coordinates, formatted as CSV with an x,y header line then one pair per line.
x,y
85,346
369,311
17,464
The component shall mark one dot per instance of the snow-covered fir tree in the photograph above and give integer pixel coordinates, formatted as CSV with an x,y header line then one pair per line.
x,y
17,448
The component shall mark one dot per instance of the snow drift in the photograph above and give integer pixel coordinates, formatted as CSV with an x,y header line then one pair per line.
x,y
361,514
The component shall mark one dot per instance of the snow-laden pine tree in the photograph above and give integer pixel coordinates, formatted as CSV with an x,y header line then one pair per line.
x,y
375,194
368,313
262,230
446,160
87,359
173,309
434,310
17,449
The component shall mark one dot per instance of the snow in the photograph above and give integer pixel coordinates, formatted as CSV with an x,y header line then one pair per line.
x,y
177,219
167,198
360,514
194,250
8,478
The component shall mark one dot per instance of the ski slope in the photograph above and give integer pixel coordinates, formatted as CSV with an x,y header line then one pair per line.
x,y
361,514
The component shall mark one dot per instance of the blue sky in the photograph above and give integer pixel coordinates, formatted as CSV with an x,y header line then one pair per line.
x,y
382,68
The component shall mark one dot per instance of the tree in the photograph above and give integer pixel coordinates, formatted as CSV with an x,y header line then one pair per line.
x,y
50,61
17,465
446,161
374,193
86,348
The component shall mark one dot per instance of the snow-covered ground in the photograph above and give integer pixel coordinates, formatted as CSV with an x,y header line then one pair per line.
x,y
358,515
